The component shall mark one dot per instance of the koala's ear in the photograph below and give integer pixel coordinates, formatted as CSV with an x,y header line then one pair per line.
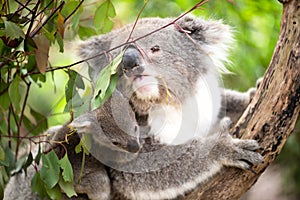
x,y
93,48
213,36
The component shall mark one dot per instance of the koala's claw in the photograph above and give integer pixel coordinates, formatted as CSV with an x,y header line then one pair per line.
x,y
243,154
250,145
258,82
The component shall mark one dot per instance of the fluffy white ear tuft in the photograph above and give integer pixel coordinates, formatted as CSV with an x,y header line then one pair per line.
x,y
213,36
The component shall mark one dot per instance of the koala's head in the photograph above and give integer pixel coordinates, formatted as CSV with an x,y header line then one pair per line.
x,y
162,67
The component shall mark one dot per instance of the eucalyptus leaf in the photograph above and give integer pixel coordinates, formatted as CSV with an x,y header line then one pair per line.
x,y
14,92
37,185
50,169
60,42
54,193
13,31
67,187
5,101
2,154
86,32
104,80
66,166
28,162
38,156
103,15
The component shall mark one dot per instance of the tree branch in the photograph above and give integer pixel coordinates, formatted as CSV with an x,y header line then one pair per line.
x,y
272,114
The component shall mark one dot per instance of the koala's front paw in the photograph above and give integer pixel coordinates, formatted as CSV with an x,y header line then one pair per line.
x,y
253,90
242,154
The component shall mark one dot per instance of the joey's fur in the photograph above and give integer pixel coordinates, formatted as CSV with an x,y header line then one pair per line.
x,y
163,132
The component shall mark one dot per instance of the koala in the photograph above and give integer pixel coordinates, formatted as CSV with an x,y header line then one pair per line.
x,y
164,130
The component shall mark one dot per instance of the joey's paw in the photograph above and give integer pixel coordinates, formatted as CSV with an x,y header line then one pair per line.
x,y
225,124
243,154
86,123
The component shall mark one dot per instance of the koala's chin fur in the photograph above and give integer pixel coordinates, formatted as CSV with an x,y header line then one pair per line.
x,y
171,105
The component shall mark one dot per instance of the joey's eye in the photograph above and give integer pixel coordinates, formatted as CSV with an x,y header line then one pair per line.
x,y
155,48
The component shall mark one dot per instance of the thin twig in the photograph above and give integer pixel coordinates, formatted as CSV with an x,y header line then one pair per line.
x,y
34,10
24,103
8,128
46,21
42,11
23,6
24,137
21,118
72,13
136,20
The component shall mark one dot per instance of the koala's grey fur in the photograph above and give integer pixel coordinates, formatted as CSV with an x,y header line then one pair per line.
x,y
161,77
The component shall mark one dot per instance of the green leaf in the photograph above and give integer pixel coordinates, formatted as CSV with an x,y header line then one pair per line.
x,y
5,101
66,166
78,147
85,144
50,169
2,154
97,102
75,81
74,22
76,78
60,43
13,31
28,162
20,163
54,193
104,80
69,89
41,122
102,21
3,176
50,35
67,187
37,185
38,156
9,159
31,65
14,92
86,32
75,103
29,44
69,7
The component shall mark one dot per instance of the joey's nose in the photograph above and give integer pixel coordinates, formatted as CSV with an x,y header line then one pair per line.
x,y
133,146
131,61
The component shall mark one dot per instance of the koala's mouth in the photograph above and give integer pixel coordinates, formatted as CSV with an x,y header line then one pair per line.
x,y
145,86
139,77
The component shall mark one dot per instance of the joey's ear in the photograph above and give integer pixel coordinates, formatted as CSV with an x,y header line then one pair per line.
x,y
213,36
92,48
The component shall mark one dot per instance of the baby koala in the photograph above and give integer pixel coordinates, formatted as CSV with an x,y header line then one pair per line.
x,y
163,132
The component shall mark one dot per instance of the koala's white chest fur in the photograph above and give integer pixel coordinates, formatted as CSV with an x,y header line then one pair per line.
x,y
195,117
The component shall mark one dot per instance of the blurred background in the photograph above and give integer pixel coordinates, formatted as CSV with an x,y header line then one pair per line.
x,y
256,25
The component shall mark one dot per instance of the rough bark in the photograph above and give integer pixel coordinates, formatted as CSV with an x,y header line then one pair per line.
x,y
272,114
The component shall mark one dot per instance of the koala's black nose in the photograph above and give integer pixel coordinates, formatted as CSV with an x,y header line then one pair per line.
x,y
131,61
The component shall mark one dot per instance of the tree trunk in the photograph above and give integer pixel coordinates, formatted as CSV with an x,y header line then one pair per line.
x,y
272,114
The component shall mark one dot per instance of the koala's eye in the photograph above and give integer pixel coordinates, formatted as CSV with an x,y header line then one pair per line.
x,y
155,48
